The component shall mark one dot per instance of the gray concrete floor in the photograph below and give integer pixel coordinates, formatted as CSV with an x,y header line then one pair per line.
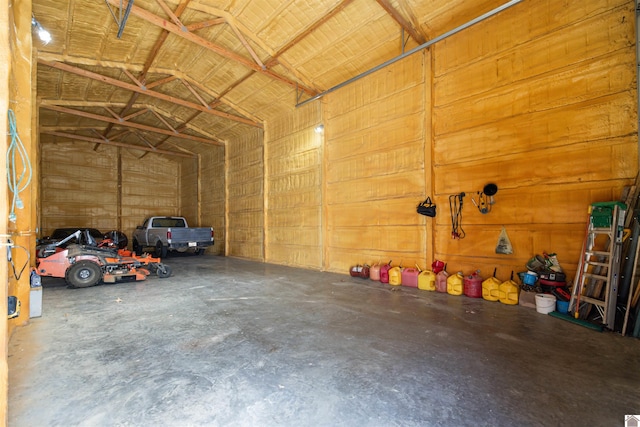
x,y
228,342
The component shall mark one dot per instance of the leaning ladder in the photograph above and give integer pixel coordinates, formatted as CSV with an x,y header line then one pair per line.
x,y
599,265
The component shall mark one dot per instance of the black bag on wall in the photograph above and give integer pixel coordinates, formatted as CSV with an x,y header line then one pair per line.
x,y
427,208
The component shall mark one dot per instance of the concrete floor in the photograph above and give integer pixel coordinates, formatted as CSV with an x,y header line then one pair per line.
x,y
228,342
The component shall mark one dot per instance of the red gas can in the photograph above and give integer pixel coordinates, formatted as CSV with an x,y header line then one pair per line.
x,y
441,281
410,277
473,285
384,273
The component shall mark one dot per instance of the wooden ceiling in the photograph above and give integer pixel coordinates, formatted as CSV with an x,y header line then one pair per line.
x,y
191,73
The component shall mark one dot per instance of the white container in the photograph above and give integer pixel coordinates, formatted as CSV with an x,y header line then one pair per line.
x,y
545,303
35,302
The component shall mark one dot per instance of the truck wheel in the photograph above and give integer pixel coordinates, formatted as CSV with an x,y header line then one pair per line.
x,y
161,250
137,249
199,251
83,274
163,270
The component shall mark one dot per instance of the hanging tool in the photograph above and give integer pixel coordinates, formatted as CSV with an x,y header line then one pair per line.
x,y
485,198
455,207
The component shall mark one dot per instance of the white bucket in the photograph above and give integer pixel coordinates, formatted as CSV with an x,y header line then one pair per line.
x,y
545,303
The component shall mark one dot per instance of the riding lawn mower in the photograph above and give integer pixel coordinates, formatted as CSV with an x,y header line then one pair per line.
x,y
86,264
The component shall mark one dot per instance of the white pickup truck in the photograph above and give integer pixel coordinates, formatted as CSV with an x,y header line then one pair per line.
x,y
171,233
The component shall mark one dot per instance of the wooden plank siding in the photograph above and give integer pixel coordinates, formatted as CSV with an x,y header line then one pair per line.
x,y
80,187
375,168
541,101
245,196
211,195
293,199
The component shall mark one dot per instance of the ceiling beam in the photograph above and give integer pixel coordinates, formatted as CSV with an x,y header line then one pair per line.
x,y
114,143
141,109
172,75
205,24
406,25
153,94
125,123
180,32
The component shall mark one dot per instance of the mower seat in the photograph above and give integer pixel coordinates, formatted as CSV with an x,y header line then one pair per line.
x,y
88,239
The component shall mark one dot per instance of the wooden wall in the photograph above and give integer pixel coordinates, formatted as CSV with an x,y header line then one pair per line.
x,y
375,163
540,100
150,186
189,191
80,187
245,196
202,194
293,177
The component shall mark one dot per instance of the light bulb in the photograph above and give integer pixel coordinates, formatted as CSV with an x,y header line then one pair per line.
x,y
44,35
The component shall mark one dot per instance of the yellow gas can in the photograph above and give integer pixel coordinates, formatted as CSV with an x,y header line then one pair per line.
x,y
427,281
395,276
455,284
509,291
491,288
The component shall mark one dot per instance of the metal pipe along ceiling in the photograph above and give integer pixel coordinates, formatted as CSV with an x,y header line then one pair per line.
x,y
414,50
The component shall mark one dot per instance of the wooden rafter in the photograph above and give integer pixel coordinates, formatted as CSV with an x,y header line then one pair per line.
x,y
114,143
173,16
99,135
218,97
133,78
164,121
247,46
406,25
196,94
180,129
161,82
145,69
130,124
205,24
138,109
145,140
161,39
113,113
172,75
175,29
153,94
136,114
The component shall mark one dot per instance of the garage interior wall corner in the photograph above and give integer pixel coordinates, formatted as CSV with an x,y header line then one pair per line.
x,y
5,69
22,157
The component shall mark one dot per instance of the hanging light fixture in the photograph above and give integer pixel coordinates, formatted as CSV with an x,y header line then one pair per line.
x,y
44,35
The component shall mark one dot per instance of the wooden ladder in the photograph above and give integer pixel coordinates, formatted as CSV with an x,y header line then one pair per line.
x,y
596,282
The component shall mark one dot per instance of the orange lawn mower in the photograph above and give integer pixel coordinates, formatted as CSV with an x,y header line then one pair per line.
x,y
84,265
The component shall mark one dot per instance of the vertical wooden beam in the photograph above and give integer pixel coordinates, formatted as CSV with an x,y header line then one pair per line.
x,y
324,209
5,71
199,188
20,92
265,193
226,200
119,189
428,64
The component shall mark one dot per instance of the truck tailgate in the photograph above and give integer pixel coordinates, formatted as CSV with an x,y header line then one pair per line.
x,y
191,235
